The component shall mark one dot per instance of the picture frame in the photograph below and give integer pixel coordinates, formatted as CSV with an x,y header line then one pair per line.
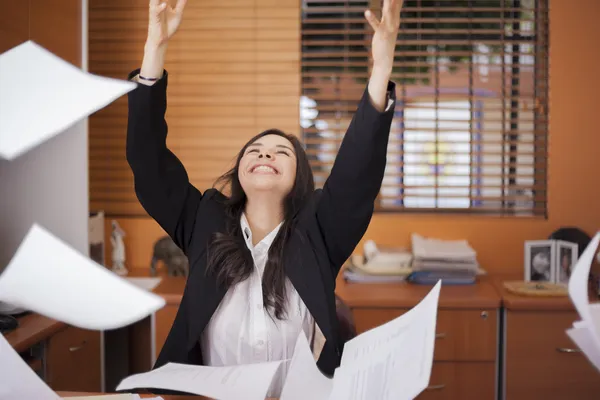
x,y
539,261
565,257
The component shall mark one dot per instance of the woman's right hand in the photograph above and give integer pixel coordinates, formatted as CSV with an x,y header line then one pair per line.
x,y
163,21
162,25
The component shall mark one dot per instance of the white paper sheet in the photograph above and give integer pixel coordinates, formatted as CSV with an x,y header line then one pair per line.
x,y
17,379
586,332
391,361
582,336
304,379
372,339
250,381
41,95
47,276
578,282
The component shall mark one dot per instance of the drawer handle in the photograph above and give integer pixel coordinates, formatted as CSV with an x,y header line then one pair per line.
x,y
77,348
567,350
435,387
440,335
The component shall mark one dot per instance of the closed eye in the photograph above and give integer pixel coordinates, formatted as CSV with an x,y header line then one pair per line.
x,y
283,152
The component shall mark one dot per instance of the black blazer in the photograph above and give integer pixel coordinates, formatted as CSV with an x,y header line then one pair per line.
x,y
327,229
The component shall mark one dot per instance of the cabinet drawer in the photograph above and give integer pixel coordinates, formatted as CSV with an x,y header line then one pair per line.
x,y
73,360
541,360
462,335
460,381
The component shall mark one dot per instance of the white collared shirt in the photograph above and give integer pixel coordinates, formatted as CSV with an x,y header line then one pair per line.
x,y
242,332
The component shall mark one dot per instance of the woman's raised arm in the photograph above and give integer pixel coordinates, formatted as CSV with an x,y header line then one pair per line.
x,y
161,181
348,198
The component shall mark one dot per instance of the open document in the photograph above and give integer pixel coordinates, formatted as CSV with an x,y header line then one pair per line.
x,y
586,332
392,361
41,95
47,276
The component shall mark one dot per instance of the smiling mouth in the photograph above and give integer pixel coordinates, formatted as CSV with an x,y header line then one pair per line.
x,y
263,169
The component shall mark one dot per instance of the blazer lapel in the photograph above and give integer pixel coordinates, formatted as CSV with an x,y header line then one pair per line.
x,y
303,271
203,298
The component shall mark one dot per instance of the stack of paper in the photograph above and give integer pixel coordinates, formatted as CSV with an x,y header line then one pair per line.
x,y
392,361
453,261
586,332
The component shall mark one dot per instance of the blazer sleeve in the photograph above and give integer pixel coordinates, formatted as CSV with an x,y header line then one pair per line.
x,y
347,201
161,181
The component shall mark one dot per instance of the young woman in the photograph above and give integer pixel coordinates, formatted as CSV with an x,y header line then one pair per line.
x,y
264,258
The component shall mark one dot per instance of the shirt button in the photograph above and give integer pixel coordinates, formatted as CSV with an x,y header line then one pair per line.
x,y
258,307
260,342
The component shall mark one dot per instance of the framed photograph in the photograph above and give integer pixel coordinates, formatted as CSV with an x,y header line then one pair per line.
x,y
565,258
539,260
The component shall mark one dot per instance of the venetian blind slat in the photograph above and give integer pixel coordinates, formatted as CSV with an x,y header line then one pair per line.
x,y
470,131
234,70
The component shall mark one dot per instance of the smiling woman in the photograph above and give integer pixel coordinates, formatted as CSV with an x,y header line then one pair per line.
x,y
264,255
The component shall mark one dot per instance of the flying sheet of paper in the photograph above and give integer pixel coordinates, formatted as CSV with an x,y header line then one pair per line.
x,y
387,373
249,381
586,332
17,379
304,379
578,288
582,336
372,339
391,361
42,95
47,276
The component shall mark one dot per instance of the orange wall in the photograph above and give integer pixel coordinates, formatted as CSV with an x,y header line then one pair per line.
x,y
574,161
574,155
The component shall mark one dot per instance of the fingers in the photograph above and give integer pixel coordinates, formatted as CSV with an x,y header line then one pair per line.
x,y
180,5
372,19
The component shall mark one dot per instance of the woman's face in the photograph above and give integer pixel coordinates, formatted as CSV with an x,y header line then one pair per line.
x,y
268,164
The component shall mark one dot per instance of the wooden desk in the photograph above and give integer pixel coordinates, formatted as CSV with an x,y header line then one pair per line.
x,y
466,351
539,360
65,357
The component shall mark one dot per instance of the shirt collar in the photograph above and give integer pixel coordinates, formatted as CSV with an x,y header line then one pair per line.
x,y
247,233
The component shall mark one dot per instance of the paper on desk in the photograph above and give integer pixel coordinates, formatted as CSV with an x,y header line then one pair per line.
x,y
249,381
17,379
304,380
42,95
47,276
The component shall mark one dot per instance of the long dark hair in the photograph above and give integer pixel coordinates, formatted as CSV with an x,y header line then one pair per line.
x,y
229,259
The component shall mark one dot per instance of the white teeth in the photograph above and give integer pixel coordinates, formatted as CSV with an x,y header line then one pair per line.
x,y
264,168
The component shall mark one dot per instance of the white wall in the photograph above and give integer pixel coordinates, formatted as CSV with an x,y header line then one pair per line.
x,y
47,185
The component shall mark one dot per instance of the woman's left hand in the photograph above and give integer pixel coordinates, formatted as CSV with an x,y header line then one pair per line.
x,y
386,33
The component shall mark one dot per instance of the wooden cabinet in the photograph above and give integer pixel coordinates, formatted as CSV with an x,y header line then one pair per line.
x,y
542,361
539,359
73,360
466,347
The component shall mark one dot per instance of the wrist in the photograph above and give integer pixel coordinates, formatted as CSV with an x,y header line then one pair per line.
x,y
382,71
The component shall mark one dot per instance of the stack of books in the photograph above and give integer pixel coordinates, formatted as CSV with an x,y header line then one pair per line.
x,y
452,261
379,265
